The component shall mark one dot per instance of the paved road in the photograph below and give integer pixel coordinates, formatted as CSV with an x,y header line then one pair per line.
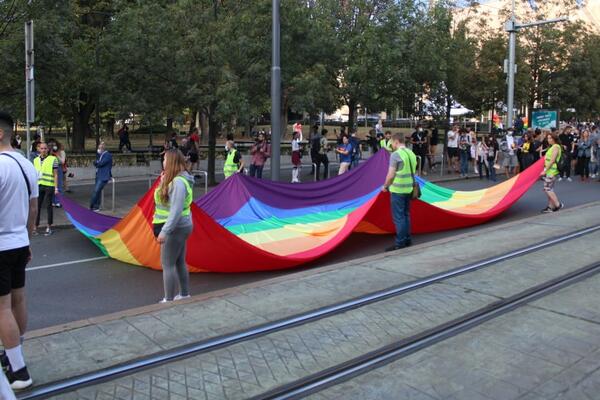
x,y
60,292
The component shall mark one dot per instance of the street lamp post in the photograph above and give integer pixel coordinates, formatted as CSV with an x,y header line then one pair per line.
x,y
29,82
512,27
276,95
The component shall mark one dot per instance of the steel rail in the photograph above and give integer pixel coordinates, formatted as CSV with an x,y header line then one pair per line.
x,y
390,353
163,357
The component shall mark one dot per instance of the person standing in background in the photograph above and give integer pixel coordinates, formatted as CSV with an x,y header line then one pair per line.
x,y
261,151
296,156
47,168
345,152
18,195
453,155
419,146
234,164
103,166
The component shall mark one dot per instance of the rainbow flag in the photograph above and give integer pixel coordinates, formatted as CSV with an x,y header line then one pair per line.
x,y
247,224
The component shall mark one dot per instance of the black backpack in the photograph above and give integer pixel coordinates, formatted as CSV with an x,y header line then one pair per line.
x,y
315,144
562,163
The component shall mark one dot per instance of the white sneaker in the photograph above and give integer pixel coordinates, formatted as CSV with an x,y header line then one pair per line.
x,y
560,179
164,300
569,179
180,297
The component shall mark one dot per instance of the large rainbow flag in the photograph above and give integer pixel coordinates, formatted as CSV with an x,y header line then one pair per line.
x,y
246,224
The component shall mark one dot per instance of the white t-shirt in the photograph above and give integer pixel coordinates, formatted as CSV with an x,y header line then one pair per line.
x,y
14,204
453,141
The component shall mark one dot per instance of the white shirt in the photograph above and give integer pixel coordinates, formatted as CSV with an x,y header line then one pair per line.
x,y
14,204
453,141
296,144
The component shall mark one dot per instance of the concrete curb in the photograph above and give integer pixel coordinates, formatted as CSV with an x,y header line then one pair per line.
x,y
288,277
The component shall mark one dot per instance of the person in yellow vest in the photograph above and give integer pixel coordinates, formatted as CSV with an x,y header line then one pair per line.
x,y
47,168
172,223
386,142
399,182
233,161
550,172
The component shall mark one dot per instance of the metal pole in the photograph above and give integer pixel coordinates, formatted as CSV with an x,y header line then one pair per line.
x,y
29,82
511,28
276,95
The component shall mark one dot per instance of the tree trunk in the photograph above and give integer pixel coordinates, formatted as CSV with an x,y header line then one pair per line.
x,y
213,130
448,111
203,128
351,115
81,112
169,124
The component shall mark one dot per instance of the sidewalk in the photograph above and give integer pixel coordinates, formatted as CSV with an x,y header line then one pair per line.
x,y
65,351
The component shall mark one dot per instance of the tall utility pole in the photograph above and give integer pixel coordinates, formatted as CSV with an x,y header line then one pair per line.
x,y
512,27
276,95
29,82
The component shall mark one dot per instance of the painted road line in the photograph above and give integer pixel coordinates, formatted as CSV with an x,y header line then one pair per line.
x,y
66,263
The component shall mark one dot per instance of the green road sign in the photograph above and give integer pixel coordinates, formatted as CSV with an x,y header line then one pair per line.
x,y
544,119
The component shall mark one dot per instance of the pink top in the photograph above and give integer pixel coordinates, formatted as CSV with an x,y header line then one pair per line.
x,y
260,153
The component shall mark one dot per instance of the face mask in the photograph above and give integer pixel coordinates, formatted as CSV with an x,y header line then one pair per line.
x,y
420,129
226,148
99,151
55,148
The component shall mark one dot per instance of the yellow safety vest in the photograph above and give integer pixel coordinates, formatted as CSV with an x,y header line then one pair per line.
x,y
230,167
161,211
552,170
45,170
386,144
403,183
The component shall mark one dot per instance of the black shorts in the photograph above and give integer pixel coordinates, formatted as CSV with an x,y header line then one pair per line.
x,y
12,269
453,152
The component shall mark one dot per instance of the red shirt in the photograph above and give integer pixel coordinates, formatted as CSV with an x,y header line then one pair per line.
x,y
194,137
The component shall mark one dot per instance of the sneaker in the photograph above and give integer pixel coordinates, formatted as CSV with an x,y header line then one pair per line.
x,y
164,300
560,207
569,179
548,210
20,379
48,232
180,297
95,209
57,205
4,361
560,178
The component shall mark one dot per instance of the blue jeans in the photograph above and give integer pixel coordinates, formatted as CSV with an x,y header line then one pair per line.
x,y
96,197
256,170
401,217
464,163
490,163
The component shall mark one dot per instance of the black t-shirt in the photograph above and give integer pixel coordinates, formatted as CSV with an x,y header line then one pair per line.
x,y
315,145
566,140
435,137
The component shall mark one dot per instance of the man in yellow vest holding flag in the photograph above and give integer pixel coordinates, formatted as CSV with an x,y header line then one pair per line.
x,y
47,169
399,182
233,161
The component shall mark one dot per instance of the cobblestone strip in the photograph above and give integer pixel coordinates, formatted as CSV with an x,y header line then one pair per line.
x,y
250,368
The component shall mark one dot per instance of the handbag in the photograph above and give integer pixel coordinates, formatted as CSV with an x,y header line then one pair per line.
x,y
416,192
156,228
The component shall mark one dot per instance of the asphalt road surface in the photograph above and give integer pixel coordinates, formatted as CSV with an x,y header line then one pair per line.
x,y
69,280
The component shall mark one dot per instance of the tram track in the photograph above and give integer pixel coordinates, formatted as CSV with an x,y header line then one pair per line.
x,y
367,362
209,345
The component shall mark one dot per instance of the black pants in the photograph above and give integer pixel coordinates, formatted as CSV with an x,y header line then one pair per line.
x,y
46,194
583,166
322,159
126,144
